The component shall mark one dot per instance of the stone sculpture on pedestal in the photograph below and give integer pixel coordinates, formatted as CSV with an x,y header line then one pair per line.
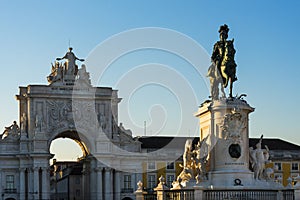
x,y
194,163
12,131
83,75
222,158
70,67
258,158
68,71
24,123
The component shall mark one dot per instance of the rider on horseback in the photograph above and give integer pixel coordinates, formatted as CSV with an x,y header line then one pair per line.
x,y
223,58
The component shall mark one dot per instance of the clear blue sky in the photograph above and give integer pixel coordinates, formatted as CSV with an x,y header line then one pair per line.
x,y
34,33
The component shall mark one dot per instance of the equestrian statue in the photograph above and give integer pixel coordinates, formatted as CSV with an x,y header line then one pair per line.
x,y
223,68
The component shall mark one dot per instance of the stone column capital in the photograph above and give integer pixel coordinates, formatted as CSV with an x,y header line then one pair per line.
x,y
30,169
85,171
98,169
36,168
22,169
107,169
46,169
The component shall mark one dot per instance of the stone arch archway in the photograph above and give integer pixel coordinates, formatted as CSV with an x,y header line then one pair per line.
x,y
76,172
61,110
83,142
69,106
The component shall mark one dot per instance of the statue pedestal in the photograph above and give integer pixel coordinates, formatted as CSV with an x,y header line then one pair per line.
x,y
69,79
225,124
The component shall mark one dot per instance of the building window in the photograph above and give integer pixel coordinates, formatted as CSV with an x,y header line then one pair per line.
x,y
170,165
127,181
151,180
151,165
278,166
10,182
170,179
295,166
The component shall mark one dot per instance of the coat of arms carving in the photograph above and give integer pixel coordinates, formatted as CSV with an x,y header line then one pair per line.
x,y
233,125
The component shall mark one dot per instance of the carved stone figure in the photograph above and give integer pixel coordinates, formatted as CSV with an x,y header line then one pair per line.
x,y
24,123
187,172
102,121
140,186
83,75
215,80
56,73
258,158
12,130
70,65
185,175
223,57
127,131
194,162
268,173
38,122
187,155
201,152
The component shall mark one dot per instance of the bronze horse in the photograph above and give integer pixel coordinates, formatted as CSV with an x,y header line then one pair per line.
x,y
228,66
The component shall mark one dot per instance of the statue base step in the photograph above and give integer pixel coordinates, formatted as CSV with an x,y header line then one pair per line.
x,y
231,178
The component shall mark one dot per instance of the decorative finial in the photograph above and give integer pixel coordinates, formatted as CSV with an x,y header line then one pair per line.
x,y
140,185
161,180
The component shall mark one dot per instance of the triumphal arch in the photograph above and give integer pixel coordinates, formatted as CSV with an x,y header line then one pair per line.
x,y
69,106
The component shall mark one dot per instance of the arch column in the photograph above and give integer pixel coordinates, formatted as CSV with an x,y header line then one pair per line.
x,y
45,183
108,184
1,178
99,182
36,183
86,181
30,183
93,180
22,183
117,183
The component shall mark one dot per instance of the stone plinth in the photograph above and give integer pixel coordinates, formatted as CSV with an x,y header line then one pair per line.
x,y
225,125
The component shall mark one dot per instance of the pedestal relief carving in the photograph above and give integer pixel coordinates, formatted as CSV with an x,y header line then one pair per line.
x,y
233,125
